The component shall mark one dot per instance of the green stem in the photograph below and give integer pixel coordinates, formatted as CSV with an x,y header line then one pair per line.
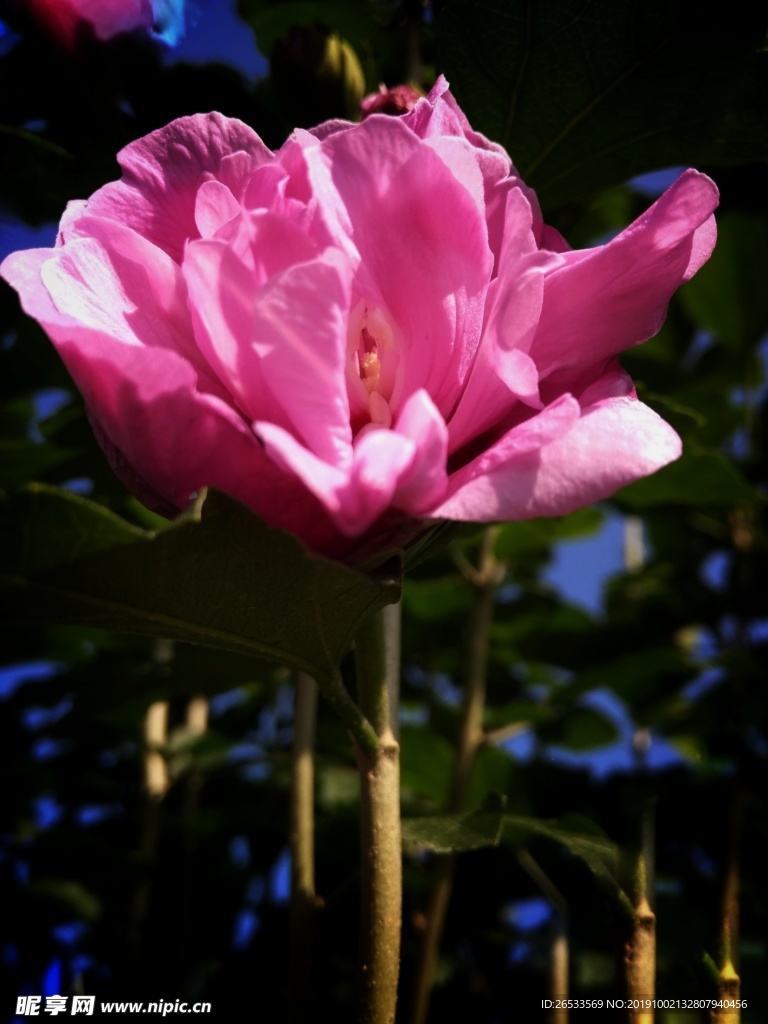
x,y
302,842
559,953
485,580
728,980
381,869
638,953
639,947
363,733
639,957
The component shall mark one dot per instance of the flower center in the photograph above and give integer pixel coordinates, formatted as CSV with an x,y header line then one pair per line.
x,y
373,359
368,361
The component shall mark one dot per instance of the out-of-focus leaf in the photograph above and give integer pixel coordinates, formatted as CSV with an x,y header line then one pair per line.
x,y
492,772
432,600
455,833
581,837
627,675
523,711
517,539
217,575
580,729
697,478
728,295
338,786
22,460
71,895
567,88
426,762
272,19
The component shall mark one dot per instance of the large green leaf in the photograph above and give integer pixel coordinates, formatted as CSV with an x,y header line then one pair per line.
x,y
217,576
588,94
489,826
581,838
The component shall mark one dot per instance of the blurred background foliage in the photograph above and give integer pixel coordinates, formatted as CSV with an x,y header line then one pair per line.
x,y
143,841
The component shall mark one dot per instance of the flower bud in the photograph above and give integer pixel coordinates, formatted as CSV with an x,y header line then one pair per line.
x,y
398,100
317,76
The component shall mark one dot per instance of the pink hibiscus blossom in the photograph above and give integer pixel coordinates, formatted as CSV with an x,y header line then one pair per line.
x,y
370,327
106,18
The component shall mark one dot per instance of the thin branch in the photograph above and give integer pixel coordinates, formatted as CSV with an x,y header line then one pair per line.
x,y
485,580
559,953
302,843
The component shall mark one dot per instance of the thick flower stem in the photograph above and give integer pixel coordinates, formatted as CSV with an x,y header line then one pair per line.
x,y
302,842
728,980
639,946
381,874
485,580
640,961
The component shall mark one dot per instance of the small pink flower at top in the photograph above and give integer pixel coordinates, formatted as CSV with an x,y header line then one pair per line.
x,y
398,100
364,332
105,18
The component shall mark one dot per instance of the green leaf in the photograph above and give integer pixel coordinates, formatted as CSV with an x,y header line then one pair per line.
x,y
585,95
581,837
426,762
217,576
455,833
72,896
580,729
697,478
525,712
20,460
635,674
728,295
516,539
435,599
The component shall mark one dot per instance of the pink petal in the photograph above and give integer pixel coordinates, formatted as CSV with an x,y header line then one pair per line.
x,y
584,459
215,206
133,293
354,497
439,115
434,286
319,477
129,295
402,468
604,300
163,171
382,457
503,372
424,483
279,350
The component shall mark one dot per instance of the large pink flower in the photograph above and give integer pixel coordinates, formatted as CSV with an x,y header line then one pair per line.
x,y
106,18
368,328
